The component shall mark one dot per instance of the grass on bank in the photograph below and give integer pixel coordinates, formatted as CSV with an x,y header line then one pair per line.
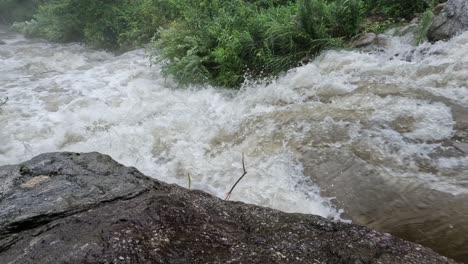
x,y
219,42
222,42
17,10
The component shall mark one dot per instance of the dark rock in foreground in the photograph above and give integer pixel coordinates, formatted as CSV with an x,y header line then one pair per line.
x,y
451,19
87,208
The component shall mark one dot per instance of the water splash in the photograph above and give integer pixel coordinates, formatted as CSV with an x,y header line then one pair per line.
x,y
67,98
384,132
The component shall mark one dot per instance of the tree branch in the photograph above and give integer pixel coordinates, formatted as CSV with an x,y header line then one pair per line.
x,y
241,177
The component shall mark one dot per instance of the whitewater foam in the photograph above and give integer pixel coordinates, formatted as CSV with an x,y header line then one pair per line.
x,y
70,98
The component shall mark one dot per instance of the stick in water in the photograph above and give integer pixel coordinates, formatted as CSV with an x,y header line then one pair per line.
x,y
235,184
189,181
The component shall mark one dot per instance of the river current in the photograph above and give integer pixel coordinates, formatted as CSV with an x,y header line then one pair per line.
x,y
379,138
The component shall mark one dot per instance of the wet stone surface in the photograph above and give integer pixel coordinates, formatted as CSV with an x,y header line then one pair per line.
x,y
87,208
451,19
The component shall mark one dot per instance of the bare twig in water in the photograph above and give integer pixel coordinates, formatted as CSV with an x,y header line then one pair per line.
x,y
189,181
2,102
241,177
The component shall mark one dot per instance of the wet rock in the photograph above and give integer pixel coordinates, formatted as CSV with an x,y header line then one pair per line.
x,y
364,40
371,42
87,208
451,19
2,42
381,41
408,31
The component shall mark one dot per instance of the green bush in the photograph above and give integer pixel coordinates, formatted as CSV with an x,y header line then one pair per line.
x,y
211,41
110,24
215,41
147,18
222,41
17,10
347,16
396,8
59,21
424,25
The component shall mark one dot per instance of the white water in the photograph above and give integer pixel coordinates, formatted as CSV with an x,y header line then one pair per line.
x,y
69,98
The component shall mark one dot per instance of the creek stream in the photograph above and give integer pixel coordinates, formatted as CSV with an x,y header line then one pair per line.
x,y
379,138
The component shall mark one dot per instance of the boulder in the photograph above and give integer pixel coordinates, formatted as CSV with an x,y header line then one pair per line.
x,y
364,40
2,42
87,208
371,42
451,19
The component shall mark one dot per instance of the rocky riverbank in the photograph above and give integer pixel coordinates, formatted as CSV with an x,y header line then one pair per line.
x,y
451,19
87,208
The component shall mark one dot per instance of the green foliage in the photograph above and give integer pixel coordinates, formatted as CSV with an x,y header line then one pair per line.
x,y
209,43
395,8
379,26
285,43
424,25
347,16
315,18
213,41
59,21
17,10
222,41
147,18
323,19
182,54
111,24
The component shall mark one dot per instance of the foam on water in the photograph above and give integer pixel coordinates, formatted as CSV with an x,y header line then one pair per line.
x,y
69,98
64,97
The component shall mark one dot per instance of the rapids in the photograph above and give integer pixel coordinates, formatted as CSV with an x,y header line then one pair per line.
x,y
379,138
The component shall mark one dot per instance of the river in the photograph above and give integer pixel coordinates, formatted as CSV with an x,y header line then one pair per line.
x,y
379,138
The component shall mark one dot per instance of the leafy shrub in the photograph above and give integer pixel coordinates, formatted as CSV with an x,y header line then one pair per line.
x,y
424,25
148,17
347,16
324,19
17,10
111,24
396,8
210,42
222,41
215,41
59,21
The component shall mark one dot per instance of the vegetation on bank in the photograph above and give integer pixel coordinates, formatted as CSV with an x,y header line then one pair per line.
x,y
210,41
222,42
17,10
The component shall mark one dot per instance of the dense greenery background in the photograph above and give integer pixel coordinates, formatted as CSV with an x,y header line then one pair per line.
x,y
210,41
17,10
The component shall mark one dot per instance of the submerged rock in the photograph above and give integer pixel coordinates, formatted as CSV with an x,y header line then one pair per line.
x,y
364,40
451,19
2,42
370,42
87,208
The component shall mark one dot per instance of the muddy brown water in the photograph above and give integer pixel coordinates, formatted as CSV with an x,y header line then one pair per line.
x,y
379,138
